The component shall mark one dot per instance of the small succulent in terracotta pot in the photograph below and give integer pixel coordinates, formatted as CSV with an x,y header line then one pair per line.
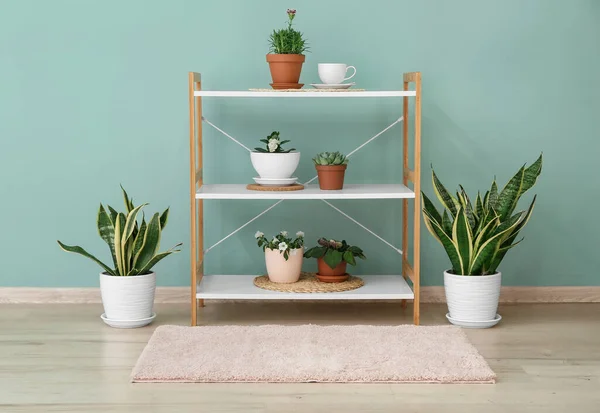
x,y
332,258
286,55
331,168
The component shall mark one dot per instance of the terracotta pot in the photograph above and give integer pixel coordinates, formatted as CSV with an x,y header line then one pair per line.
x,y
331,275
331,177
281,271
285,68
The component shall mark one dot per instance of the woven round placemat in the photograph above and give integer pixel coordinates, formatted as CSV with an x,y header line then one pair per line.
x,y
308,283
257,187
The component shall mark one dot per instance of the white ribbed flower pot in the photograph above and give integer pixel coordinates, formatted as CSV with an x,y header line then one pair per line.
x,y
128,301
472,299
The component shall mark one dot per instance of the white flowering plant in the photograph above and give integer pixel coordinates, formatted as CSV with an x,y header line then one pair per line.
x,y
274,144
285,244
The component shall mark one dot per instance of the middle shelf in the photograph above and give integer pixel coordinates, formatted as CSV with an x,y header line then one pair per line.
x,y
350,191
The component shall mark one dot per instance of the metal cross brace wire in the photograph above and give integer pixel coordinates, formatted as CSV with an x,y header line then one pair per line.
x,y
400,119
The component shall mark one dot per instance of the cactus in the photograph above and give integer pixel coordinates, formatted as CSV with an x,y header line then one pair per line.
x,y
330,158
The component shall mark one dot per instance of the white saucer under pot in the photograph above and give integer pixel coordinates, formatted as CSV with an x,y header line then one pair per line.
x,y
275,182
128,323
275,165
472,299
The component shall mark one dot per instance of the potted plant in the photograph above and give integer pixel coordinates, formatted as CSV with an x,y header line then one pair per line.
x,y
273,162
476,239
286,55
331,168
332,257
283,256
127,288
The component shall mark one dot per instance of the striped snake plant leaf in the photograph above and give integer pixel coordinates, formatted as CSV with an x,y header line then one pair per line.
x,y
428,205
493,200
113,214
446,223
448,244
130,223
106,229
447,200
508,198
464,200
150,244
163,219
486,200
155,259
485,232
119,249
463,238
138,243
78,250
532,173
128,201
481,260
479,206
429,227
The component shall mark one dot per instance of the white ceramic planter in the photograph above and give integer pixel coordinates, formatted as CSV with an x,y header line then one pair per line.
x,y
472,299
281,271
275,165
128,299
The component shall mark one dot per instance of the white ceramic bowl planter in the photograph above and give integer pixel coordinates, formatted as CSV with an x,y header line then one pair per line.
x,y
275,165
128,301
473,299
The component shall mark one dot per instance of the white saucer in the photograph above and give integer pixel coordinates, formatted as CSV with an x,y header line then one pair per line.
x,y
332,86
128,323
474,324
275,181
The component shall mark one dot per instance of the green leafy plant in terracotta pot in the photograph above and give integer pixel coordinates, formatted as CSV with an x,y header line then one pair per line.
x,y
286,55
127,288
332,258
331,168
476,237
283,256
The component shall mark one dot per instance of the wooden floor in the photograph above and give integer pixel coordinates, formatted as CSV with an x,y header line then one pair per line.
x,y
62,358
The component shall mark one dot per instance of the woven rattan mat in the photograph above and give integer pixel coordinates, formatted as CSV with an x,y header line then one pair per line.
x,y
307,90
256,187
308,283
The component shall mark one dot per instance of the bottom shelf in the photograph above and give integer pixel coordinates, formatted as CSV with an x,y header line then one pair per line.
x,y
241,287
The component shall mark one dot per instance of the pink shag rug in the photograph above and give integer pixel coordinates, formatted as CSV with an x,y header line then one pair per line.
x,y
311,353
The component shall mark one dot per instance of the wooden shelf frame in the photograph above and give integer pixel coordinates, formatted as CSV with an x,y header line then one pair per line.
x,y
410,271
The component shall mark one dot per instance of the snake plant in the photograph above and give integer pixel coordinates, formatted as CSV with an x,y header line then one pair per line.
x,y
134,248
477,237
330,158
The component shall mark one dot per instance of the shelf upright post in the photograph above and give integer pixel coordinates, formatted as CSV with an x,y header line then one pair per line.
x,y
196,181
414,175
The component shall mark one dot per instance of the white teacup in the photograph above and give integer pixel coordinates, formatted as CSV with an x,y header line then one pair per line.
x,y
334,73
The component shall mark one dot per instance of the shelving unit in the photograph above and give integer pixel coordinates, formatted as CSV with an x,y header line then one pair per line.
x,y
240,287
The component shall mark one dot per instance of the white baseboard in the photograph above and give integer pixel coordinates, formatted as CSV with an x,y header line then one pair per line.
x,y
34,295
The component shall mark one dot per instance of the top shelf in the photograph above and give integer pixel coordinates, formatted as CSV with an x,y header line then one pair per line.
x,y
311,94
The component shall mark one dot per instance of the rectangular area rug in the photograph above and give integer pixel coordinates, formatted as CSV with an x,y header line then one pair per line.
x,y
311,353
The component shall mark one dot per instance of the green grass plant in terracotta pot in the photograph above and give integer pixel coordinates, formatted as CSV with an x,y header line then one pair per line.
x,y
286,55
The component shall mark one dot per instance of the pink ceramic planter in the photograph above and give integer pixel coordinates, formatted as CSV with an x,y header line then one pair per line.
x,y
281,271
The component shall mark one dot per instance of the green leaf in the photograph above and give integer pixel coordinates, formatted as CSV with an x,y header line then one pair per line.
x,y
479,206
119,247
429,226
446,223
151,243
349,258
315,252
163,219
106,229
332,258
463,238
154,260
493,200
128,202
532,173
449,245
468,207
482,260
130,223
113,214
508,198
444,196
81,251
137,244
428,205
485,232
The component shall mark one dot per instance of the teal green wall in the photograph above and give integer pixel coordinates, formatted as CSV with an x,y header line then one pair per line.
x,y
93,94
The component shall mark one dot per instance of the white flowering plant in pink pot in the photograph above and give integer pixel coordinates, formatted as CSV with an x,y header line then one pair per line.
x,y
283,256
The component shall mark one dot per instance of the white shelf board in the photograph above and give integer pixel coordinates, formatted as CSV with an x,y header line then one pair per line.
x,y
256,94
350,191
241,287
